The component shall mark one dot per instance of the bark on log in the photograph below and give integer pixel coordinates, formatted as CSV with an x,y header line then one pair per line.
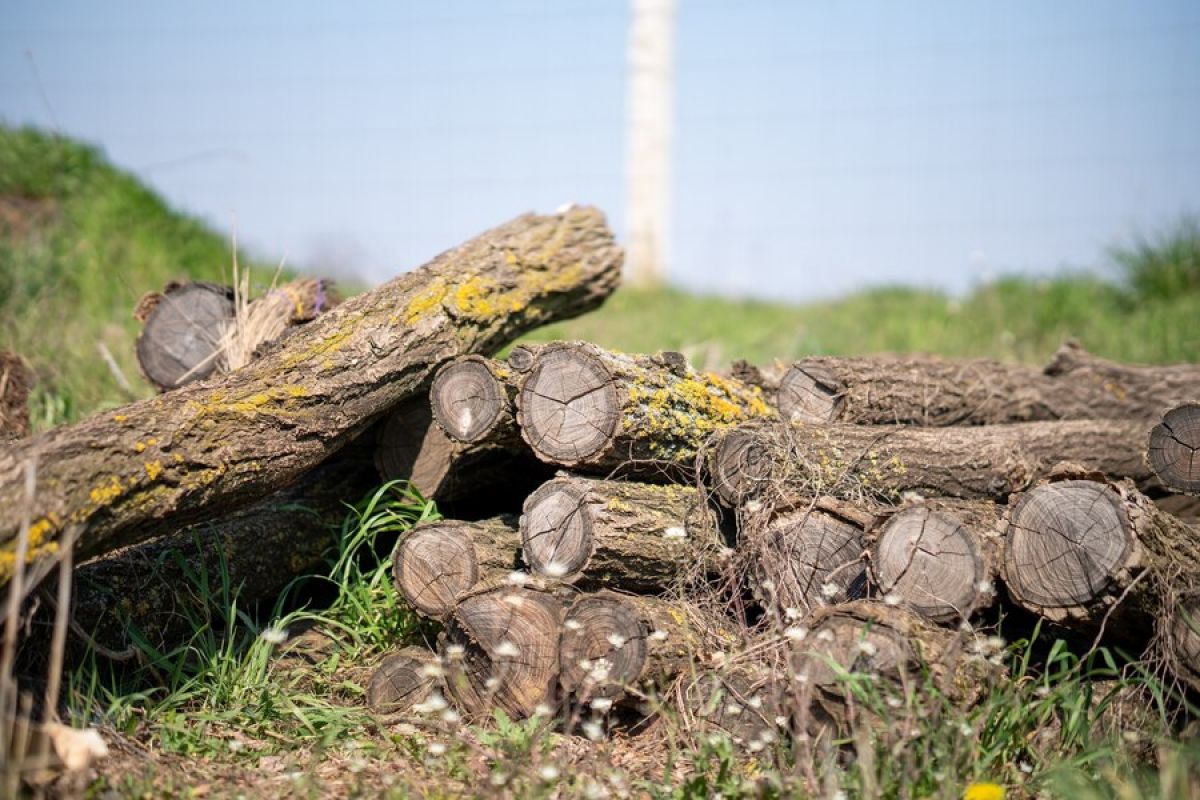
x,y
596,411
939,558
402,680
183,455
865,462
748,702
621,647
181,336
1076,548
633,536
500,648
1181,633
1174,450
438,563
472,398
15,381
939,392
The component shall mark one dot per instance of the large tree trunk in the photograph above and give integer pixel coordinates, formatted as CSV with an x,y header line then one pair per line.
x,y
116,476
1174,450
637,537
1075,549
865,462
602,412
15,382
939,392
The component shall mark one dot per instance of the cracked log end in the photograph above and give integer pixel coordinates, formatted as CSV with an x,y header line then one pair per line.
x,y
467,399
510,642
1183,638
809,559
931,562
1065,543
557,537
1174,451
809,393
401,680
434,566
569,404
741,466
603,648
181,339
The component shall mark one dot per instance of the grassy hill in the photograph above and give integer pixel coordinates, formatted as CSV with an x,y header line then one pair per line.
x,y
81,241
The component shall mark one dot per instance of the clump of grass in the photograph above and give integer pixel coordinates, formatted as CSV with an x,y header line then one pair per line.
x,y
1164,265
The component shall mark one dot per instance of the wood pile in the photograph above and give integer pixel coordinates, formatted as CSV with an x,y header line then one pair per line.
x,y
631,534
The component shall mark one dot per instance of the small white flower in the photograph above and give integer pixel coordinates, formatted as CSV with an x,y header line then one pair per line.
x,y
593,730
830,590
518,578
781,721
594,791
725,553
658,636
791,614
573,625
1025,767
755,746
1131,736
506,649
274,635
733,709
965,626
499,778
437,748
986,587
825,636
432,670
894,702
601,704
675,533
236,746
1042,691
800,677
450,716
542,710
554,569
838,795
455,650
492,684
753,506
996,643
718,658
514,599
768,585
892,599
599,671
616,640
767,736
754,702
548,773
965,729
867,648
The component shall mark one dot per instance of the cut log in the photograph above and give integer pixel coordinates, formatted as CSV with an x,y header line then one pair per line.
x,y
180,341
1075,548
500,648
803,559
213,445
939,392
15,381
634,536
402,680
596,411
1174,451
865,462
748,702
437,563
472,398
939,558
1182,637
625,647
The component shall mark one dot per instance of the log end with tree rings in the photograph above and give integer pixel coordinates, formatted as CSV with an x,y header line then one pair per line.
x,y
1065,542
522,356
740,465
569,406
931,562
557,537
180,341
1183,637
839,643
1174,451
743,702
509,639
401,681
434,566
809,393
467,399
806,559
603,648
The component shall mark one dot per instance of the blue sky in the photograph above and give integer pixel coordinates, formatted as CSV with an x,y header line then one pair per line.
x,y
820,147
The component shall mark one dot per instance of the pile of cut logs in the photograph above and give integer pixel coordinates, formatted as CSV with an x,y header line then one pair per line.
x,y
629,533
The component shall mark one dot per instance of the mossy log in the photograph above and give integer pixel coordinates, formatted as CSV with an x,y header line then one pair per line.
x,y
402,680
467,479
939,392
1174,449
637,537
16,379
596,411
881,462
438,563
1077,550
939,558
500,650
626,648
118,476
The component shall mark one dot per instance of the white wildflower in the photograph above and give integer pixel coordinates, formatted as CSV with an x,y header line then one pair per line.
x,y
796,633
996,643
658,636
518,578
725,553
432,670
548,773
986,587
450,716
1025,767
825,636
236,746
791,613
432,704
573,625
675,533
830,590
753,506
781,721
867,648
437,748
554,569
492,683
274,635
506,649
593,730
455,651
616,640
892,599
755,702
542,710
514,599
965,729
733,709
499,778
894,702
601,704
755,746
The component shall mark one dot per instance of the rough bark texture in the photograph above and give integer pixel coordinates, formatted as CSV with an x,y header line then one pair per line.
x,y
15,381
1076,548
466,479
862,462
1174,450
181,336
634,536
221,443
402,680
625,647
509,651
1181,637
438,563
596,411
939,558
939,392
472,399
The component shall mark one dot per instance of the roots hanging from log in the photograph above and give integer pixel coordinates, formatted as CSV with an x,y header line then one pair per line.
x,y
633,536
1181,631
120,475
472,398
402,680
16,379
437,563
586,408
180,341
864,462
941,392
501,651
1174,451
939,558
1076,548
